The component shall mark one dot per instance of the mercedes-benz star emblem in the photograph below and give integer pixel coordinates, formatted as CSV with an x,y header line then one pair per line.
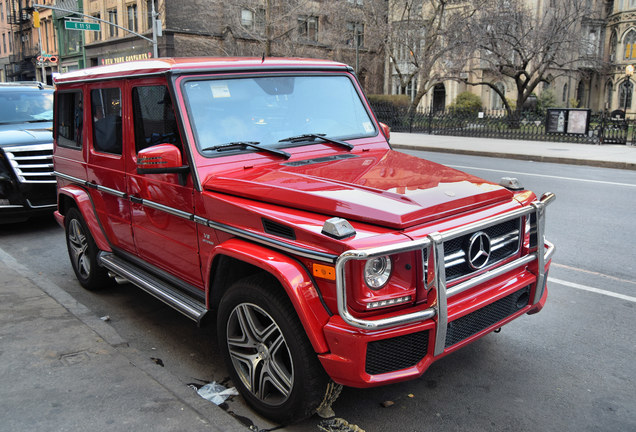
x,y
478,250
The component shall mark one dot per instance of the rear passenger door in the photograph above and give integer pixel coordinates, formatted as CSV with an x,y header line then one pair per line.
x,y
106,164
165,235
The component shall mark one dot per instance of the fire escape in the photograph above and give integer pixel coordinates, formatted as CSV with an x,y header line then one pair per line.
x,y
25,50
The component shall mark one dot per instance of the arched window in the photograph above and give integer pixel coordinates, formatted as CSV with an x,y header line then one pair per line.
x,y
495,102
580,93
609,89
625,95
612,46
565,93
439,97
629,43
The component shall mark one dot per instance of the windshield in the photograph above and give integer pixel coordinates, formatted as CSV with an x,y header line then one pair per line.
x,y
265,110
26,106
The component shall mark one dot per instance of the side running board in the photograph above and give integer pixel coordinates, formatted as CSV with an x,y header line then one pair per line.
x,y
190,307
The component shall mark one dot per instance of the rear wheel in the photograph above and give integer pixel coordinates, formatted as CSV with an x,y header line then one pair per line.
x,y
82,251
267,351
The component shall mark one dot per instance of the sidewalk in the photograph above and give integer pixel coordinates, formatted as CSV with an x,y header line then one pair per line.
x,y
608,156
64,369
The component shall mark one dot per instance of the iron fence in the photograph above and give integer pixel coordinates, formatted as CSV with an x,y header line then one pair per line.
x,y
603,129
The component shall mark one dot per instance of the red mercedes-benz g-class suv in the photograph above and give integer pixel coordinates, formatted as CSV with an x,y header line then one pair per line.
x,y
264,193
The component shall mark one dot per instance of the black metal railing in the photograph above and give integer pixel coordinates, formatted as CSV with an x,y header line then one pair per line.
x,y
603,129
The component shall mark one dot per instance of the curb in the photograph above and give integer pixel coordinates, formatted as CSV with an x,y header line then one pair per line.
x,y
517,156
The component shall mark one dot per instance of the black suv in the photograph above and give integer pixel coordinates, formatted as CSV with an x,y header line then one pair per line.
x,y
27,184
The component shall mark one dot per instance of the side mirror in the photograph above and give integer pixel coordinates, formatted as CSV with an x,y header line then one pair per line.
x,y
162,159
386,130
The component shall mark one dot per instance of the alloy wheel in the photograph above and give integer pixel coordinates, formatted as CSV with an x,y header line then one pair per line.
x,y
260,354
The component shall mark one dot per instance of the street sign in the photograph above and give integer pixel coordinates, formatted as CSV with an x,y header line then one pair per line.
x,y
80,25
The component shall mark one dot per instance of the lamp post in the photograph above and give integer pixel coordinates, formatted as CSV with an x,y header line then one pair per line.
x,y
629,71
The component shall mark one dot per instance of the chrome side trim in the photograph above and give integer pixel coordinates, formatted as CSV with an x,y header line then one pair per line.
x,y
436,273
169,210
110,191
279,245
70,178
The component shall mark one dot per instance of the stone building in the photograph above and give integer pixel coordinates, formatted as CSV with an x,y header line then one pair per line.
x,y
597,80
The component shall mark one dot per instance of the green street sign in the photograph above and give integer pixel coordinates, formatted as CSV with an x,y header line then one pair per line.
x,y
79,25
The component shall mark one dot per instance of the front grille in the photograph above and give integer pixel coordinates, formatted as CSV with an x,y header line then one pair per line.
x,y
483,318
397,353
31,163
505,240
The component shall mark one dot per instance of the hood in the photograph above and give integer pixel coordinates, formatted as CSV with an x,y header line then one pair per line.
x,y
26,133
385,187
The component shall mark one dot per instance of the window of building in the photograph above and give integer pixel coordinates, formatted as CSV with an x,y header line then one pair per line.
x,y
97,35
613,46
131,11
308,27
1,12
564,97
69,119
496,102
4,43
149,14
153,114
580,93
609,89
625,95
591,43
106,115
253,19
73,42
630,42
112,17
632,3
355,34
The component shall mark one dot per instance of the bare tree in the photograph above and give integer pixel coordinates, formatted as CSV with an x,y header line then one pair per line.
x,y
423,41
272,27
513,41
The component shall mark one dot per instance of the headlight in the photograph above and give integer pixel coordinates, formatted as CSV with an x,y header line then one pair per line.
x,y
377,272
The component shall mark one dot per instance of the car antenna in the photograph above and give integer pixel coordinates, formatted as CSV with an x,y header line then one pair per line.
x,y
263,57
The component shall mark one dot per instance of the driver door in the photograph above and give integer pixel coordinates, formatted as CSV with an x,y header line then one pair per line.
x,y
163,237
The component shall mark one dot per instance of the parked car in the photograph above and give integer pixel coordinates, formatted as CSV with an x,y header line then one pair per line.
x,y
27,184
264,194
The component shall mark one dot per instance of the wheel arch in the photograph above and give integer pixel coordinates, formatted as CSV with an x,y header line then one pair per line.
x,y
74,196
236,259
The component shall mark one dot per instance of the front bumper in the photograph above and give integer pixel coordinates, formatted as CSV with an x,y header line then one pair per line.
x,y
365,353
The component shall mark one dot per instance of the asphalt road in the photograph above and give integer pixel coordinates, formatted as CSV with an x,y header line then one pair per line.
x,y
569,368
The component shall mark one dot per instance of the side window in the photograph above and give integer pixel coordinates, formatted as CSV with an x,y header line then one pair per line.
x,y
69,119
154,118
106,114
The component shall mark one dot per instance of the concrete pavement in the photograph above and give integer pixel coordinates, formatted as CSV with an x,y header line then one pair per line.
x,y
605,155
64,369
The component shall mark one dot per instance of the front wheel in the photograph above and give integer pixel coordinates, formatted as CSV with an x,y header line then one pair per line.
x,y
267,351
82,251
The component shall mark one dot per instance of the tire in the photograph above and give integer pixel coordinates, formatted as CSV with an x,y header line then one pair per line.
x,y
82,251
267,352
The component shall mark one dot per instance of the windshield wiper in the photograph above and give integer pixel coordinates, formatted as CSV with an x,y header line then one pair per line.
x,y
244,144
313,137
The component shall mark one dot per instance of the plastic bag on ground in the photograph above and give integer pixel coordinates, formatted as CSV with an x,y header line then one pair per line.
x,y
216,393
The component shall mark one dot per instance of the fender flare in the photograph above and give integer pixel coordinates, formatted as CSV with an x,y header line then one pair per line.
x,y
293,277
83,201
